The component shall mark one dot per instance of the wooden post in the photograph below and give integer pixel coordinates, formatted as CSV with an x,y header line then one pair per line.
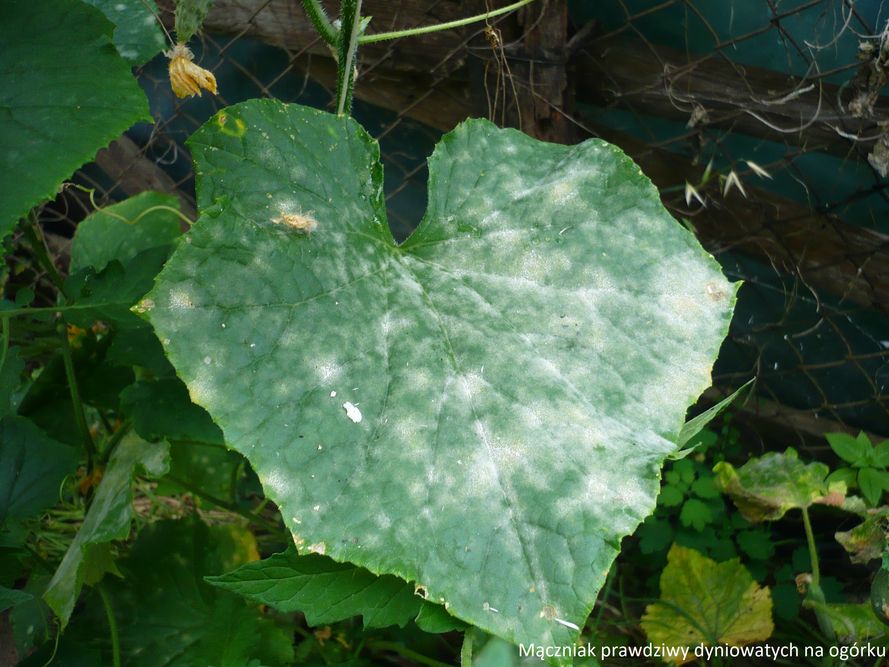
x,y
540,67
519,74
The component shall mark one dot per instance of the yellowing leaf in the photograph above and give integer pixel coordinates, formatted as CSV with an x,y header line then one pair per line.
x,y
852,622
705,602
867,541
765,488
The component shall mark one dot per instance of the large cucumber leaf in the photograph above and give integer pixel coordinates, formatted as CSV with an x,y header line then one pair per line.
x,y
64,94
483,410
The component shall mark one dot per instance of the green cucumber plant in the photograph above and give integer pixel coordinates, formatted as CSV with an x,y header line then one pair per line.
x,y
867,464
703,601
767,487
467,422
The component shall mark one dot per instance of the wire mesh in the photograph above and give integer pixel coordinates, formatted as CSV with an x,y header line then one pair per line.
x,y
760,121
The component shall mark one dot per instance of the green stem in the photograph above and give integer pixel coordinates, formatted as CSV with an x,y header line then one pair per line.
x,y
425,30
77,403
813,553
112,625
29,310
814,592
224,504
35,237
115,439
347,46
7,329
466,649
405,652
55,648
319,19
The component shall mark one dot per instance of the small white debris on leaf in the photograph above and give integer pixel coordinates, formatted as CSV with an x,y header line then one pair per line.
x,y
352,412
567,624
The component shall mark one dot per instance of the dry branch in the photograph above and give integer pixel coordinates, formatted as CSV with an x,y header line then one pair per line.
x,y
712,91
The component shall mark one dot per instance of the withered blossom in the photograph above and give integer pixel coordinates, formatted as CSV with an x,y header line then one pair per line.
x,y
186,78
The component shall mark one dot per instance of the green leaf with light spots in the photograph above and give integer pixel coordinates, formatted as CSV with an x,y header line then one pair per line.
x,y
137,33
765,488
482,411
65,93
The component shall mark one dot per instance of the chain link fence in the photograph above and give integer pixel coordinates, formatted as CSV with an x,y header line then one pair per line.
x,y
760,121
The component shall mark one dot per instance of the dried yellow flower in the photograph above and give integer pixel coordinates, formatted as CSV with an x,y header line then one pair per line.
x,y
186,78
301,223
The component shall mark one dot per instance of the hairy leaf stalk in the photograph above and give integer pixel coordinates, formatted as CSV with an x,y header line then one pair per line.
x,y
347,47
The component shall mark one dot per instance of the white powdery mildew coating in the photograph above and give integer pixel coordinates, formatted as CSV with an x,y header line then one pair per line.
x,y
483,374
180,300
562,192
419,380
327,369
409,430
202,388
392,325
290,339
277,484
